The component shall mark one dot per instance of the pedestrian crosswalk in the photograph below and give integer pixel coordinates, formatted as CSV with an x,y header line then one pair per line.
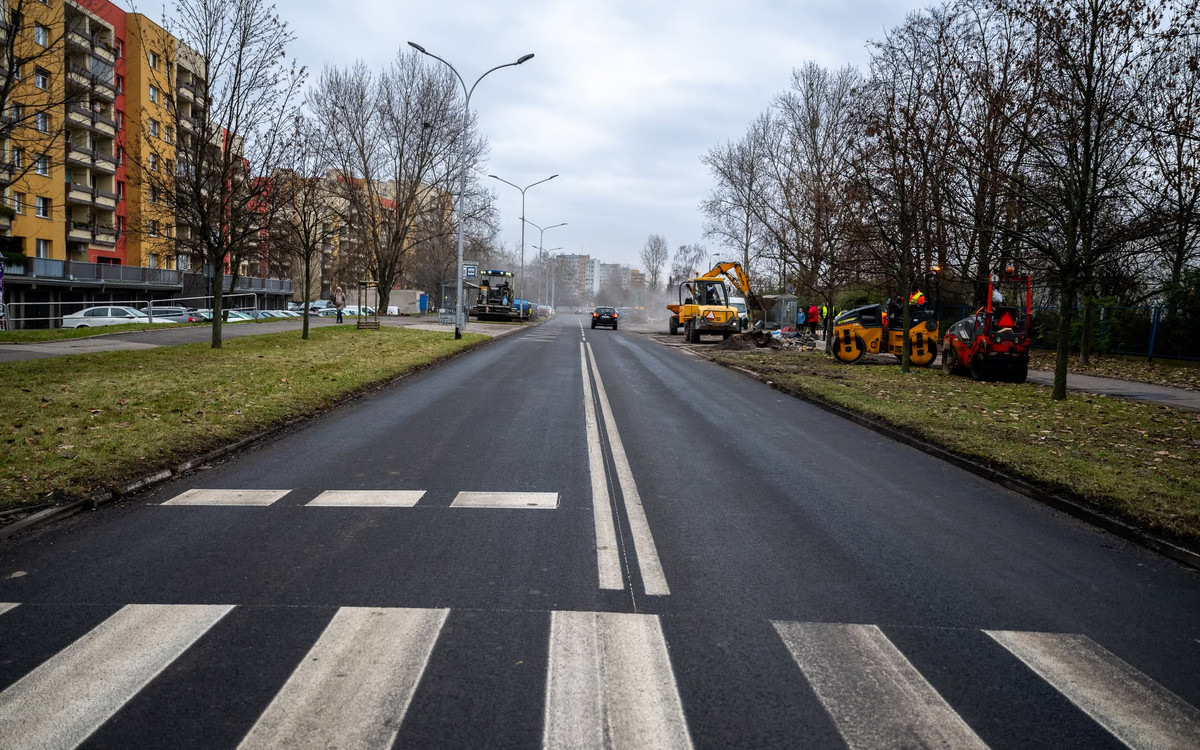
x,y
607,679
363,499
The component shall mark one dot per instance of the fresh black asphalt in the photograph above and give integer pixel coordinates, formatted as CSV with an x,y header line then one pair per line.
x,y
763,508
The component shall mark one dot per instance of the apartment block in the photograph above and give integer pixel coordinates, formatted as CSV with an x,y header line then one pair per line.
x,y
92,94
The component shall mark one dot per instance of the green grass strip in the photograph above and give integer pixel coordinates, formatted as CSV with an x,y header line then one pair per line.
x,y
1133,461
84,423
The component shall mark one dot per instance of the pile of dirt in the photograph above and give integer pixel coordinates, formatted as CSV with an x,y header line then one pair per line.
x,y
738,342
794,341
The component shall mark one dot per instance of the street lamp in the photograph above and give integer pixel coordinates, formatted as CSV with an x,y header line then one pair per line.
x,y
459,322
541,232
521,280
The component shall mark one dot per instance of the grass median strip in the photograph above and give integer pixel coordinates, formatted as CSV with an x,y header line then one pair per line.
x,y
84,423
1136,462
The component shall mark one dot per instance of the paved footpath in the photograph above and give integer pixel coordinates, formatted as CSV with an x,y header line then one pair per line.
x,y
174,336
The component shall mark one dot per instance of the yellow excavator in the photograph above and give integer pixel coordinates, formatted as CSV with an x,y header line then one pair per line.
x,y
704,306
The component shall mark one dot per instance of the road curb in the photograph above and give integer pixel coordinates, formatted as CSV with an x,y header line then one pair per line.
x,y
124,489
1008,481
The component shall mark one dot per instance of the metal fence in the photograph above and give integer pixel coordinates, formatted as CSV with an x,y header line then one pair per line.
x,y
49,314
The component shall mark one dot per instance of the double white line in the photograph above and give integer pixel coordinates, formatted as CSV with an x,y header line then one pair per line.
x,y
608,557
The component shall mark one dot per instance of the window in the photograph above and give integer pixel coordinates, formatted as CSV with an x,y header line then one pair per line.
x,y
154,94
41,121
121,190
120,84
152,261
18,158
154,128
170,167
43,248
41,79
170,134
153,162
42,164
120,49
154,194
43,207
120,121
18,202
154,61
153,227
17,112
17,74
41,35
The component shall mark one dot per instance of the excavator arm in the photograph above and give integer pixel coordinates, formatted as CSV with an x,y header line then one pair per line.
x,y
733,272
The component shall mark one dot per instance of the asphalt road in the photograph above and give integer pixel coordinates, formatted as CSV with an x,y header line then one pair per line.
x,y
578,538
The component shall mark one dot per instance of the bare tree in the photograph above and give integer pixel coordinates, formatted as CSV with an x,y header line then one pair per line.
x,y
729,212
230,94
689,261
1093,58
397,139
654,256
303,206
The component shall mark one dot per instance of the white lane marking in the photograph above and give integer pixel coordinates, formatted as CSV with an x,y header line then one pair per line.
x,y
653,578
548,500
6,606
875,696
608,559
609,683
227,497
366,499
63,701
1134,708
355,684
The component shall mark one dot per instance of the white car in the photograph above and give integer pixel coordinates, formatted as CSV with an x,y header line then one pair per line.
x,y
107,316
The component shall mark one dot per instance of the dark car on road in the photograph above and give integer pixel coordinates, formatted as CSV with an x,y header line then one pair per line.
x,y
604,316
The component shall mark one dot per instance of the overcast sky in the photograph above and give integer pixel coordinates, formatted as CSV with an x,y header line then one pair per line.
x,y
621,100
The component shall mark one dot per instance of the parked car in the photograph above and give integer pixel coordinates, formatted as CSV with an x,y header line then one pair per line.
x,y
328,312
295,306
106,316
173,313
605,316
319,304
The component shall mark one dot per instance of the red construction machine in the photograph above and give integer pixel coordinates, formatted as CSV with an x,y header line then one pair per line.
x,y
993,344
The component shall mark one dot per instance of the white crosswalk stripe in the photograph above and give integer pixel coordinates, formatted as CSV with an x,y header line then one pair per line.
x,y
610,681
63,701
366,499
1135,709
354,686
543,500
227,497
610,677
874,695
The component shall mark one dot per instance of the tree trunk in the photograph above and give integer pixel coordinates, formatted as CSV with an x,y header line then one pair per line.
x,y
1085,336
218,287
1063,345
307,288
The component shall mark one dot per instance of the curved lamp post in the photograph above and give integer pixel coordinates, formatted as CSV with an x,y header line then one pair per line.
x,y
541,233
521,285
459,321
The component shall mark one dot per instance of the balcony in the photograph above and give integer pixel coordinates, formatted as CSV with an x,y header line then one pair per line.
x,y
103,89
79,75
106,163
105,200
79,155
79,231
79,195
186,91
78,39
103,235
101,51
78,116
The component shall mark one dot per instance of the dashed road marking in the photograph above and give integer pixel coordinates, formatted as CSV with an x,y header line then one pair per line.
x,y
6,606
545,500
227,497
366,499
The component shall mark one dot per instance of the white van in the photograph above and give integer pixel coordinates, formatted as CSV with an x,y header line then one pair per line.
x,y
743,316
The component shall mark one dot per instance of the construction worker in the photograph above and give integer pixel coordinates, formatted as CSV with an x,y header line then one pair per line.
x,y
917,298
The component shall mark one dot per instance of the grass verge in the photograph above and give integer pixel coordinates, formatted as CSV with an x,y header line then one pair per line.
x,y
1136,462
85,423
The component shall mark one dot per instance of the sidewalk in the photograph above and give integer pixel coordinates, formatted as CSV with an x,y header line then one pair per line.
x,y
175,336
